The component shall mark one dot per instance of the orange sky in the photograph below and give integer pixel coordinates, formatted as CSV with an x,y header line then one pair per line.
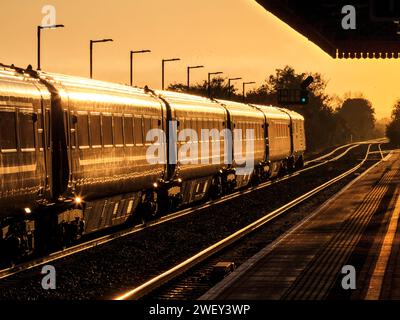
x,y
237,37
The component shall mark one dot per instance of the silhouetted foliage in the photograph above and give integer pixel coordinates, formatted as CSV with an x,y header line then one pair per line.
x,y
393,128
324,125
358,115
218,89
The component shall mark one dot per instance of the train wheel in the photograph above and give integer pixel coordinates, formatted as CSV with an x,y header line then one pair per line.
x,y
299,163
290,164
149,207
216,189
283,168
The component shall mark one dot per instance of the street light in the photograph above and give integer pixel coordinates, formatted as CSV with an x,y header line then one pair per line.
x,y
229,84
131,60
39,29
244,89
91,53
162,74
188,74
209,81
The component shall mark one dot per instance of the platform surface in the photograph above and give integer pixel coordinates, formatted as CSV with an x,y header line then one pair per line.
x,y
358,227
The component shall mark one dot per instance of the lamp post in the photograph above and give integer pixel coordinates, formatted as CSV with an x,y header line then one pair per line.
x,y
229,85
163,67
131,61
209,81
91,53
188,74
244,89
39,29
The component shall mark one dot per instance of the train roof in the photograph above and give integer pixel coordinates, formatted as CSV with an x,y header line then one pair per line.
x,y
242,109
272,112
293,114
191,103
278,112
80,88
19,85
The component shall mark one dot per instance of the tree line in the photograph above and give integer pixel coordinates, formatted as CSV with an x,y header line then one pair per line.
x,y
329,120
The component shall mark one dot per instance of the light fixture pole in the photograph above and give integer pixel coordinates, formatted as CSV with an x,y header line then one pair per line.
x,y
163,69
244,89
209,81
39,29
91,53
229,85
188,74
131,61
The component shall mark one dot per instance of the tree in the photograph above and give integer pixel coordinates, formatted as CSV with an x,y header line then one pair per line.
x,y
219,88
324,126
359,116
393,128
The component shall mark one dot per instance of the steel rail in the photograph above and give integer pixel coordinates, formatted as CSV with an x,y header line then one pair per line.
x,y
189,263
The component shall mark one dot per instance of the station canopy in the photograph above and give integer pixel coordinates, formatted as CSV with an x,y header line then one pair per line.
x,y
377,32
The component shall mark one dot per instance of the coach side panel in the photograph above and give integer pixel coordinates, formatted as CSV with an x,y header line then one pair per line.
x,y
22,164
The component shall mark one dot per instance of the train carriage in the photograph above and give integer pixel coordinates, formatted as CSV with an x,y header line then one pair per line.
x,y
24,171
249,147
198,163
279,138
106,126
298,137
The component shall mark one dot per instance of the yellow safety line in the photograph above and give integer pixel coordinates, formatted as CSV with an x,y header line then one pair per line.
x,y
376,280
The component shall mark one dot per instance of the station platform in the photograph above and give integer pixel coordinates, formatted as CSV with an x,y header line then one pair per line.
x,y
347,249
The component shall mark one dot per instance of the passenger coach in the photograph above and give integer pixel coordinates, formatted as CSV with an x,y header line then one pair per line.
x,y
74,154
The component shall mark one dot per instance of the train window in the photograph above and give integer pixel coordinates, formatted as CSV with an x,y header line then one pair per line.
x,y
8,136
72,123
128,130
147,127
217,125
138,130
185,124
26,131
107,130
40,131
83,130
95,133
195,127
47,128
66,126
118,132
154,123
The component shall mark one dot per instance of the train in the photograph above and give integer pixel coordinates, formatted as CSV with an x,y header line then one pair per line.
x,y
74,154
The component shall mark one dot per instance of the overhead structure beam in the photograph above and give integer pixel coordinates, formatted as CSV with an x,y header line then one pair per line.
x,y
377,32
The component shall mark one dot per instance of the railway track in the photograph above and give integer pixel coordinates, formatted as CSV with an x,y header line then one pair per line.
x,y
312,164
185,276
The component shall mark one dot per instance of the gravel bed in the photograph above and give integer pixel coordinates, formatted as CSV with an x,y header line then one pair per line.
x,y
105,271
197,281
